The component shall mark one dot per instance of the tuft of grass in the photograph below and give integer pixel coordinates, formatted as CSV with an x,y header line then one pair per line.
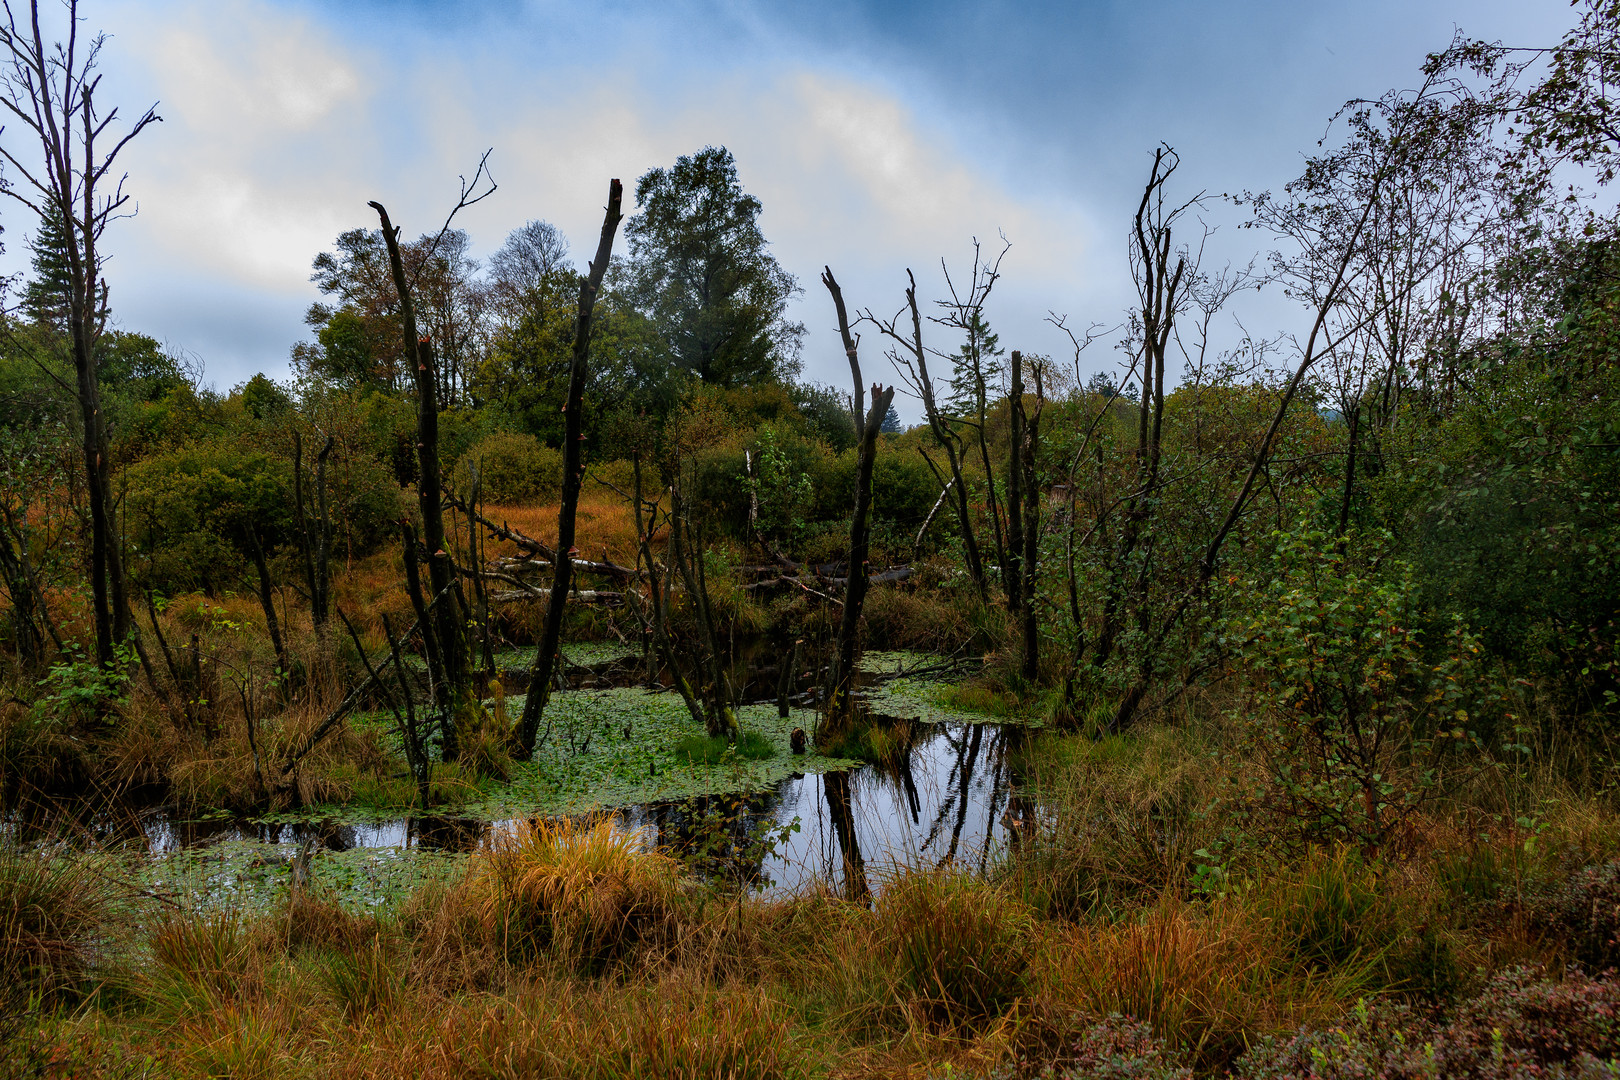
x,y
960,945
1206,980
584,894
881,742
201,961
1124,818
54,910
712,750
363,980
678,1030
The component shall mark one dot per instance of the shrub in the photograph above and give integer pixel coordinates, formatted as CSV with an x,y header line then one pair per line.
x,y
1584,912
512,468
622,475
782,490
53,913
1351,712
1118,1048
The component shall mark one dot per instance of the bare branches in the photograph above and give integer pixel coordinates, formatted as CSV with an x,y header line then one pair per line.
x,y
470,194
50,90
851,350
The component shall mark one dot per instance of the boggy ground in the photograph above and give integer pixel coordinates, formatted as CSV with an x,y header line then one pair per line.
x,y
1149,923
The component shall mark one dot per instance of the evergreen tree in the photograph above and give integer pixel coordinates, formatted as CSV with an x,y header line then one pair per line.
x,y
701,271
891,422
979,374
45,299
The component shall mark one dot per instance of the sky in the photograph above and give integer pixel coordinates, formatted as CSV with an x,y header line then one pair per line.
x,y
878,136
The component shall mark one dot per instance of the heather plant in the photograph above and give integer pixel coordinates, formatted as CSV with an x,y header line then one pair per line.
x,y
1522,1025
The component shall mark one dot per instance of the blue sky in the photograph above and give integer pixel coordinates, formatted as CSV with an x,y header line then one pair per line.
x,y
878,135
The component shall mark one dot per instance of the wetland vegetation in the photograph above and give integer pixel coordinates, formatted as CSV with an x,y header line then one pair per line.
x,y
547,681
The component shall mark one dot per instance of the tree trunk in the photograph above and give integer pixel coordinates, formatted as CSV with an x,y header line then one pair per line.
x,y
1012,569
1348,493
1031,428
545,655
450,616
841,683
267,600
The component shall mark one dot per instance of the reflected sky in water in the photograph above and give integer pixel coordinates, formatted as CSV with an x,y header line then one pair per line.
x,y
952,796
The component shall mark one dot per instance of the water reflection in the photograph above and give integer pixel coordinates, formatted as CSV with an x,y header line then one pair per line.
x,y
951,794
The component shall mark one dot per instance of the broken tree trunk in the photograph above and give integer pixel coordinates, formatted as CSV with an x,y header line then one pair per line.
x,y
545,655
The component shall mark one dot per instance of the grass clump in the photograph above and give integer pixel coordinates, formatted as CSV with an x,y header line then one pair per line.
x,y
583,894
54,911
959,944
713,750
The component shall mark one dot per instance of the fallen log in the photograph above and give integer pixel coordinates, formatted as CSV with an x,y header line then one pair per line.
x,y
575,596
584,566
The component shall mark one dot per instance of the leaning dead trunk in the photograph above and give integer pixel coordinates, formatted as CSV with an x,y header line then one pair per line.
x,y
573,434
1031,432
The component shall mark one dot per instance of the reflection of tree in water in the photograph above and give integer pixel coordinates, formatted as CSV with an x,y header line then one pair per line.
x,y
840,806
954,807
719,836
972,756
446,833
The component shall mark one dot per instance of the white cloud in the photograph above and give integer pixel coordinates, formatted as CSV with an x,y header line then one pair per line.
x,y
279,126
263,116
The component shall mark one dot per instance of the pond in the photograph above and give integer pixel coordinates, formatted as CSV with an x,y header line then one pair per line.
x,y
949,790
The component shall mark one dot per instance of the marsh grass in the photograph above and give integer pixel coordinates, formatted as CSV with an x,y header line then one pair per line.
x,y
1145,925
584,894
715,750
959,944
55,911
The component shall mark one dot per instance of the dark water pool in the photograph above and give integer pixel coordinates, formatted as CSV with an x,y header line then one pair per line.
x,y
953,795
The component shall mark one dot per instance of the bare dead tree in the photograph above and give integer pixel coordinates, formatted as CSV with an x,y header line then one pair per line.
x,y
839,705
910,358
448,660
1331,278
573,471
974,383
60,171
1159,270
1026,455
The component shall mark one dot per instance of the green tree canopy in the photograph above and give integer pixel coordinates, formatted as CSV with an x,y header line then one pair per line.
x,y
701,270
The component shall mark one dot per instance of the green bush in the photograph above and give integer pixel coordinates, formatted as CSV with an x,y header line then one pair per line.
x,y
512,468
622,475
1350,711
903,487
192,512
